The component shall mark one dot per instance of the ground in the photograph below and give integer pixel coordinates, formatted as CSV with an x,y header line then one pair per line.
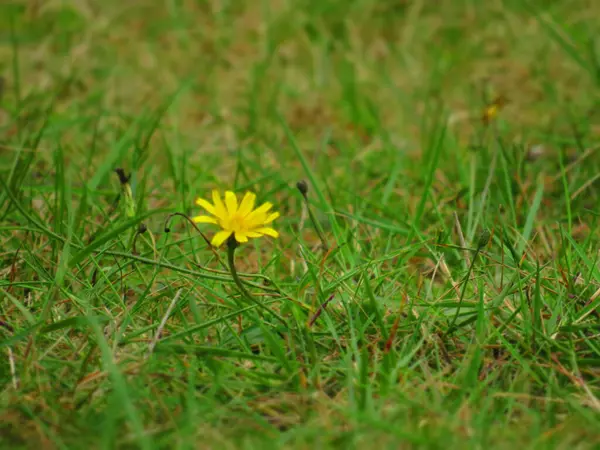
x,y
445,295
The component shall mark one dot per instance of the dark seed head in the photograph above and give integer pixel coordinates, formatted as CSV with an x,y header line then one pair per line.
x,y
123,179
302,187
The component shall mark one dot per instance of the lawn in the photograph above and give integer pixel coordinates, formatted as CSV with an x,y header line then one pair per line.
x,y
435,281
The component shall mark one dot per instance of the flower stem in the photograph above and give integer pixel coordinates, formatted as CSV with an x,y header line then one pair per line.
x,y
302,186
231,246
313,219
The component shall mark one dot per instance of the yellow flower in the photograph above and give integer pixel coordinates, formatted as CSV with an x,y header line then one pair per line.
x,y
491,111
241,220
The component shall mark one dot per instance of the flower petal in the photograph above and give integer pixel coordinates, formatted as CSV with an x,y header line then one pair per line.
x,y
220,210
247,204
231,202
268,231
253,234
271,217
220,237
258,216
264,207
204,219
241,237
207,206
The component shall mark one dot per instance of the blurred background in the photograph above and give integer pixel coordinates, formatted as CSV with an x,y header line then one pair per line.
x,y
357,82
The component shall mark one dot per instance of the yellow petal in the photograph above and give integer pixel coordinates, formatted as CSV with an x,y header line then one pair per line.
x,y
258,216
241,237
263,208
253,234
247,204
268,231
220,237
220,210
207,206
231,202
204,219
271,217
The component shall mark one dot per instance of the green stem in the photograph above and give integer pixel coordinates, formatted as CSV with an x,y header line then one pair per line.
x,y
483,240
462,294
316,226
302,187
231,246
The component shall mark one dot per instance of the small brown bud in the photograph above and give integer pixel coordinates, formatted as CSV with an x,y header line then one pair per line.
x,y
302,187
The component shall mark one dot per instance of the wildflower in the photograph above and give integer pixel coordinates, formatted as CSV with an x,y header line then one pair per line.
x,y
240,220
490,112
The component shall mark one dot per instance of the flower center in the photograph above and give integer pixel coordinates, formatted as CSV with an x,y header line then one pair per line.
x,y
235,223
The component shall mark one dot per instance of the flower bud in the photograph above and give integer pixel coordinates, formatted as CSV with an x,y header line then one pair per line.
x,y
302,187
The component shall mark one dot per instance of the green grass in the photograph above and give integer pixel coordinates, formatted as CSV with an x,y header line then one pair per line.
x,y
410,330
